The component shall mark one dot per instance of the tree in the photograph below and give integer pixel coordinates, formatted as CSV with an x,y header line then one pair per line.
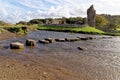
x,y
36,21
50,19
22,23
116,22
64,19
101,21
74,20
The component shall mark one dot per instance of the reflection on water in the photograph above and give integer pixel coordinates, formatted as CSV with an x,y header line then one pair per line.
x,y
101,60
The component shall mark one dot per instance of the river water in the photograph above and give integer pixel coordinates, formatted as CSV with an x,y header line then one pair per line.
x,y
99,61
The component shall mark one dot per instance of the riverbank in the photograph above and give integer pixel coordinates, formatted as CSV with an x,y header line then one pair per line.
x,y
85,30
81,30
7,35
70,29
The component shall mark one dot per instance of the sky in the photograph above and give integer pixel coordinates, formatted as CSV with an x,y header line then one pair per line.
x,y
14,11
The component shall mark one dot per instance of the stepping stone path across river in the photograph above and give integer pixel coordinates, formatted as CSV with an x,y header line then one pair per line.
x,y
31,42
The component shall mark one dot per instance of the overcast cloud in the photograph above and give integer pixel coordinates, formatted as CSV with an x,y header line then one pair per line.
x,y
25,10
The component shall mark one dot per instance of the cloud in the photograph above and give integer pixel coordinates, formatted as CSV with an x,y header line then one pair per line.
x,y
25,10
107,7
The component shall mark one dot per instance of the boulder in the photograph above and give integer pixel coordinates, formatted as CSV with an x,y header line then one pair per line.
x,y
16,45
44,41
51,40
30,42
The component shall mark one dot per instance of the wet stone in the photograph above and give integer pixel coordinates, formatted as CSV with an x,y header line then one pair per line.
x,y
72,39
60,40
90,38
80,48
16,45
30,42
44,41
84,38
51,40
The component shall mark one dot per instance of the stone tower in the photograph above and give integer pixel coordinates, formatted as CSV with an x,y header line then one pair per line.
x,y
91,15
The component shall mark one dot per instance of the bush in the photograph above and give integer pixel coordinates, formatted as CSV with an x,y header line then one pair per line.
x,y
13,29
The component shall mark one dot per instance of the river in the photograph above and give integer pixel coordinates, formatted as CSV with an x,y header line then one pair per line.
x,y
63,60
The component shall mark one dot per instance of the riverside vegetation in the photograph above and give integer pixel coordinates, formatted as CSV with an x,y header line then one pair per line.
x,y
85,30
103,26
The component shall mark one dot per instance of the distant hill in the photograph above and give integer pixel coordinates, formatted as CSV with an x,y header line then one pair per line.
x,y
2,23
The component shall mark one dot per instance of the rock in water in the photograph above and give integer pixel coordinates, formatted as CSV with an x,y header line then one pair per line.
x,y
91,15
51,40
16,45
72,39
44,41
60,40
30,42
80,48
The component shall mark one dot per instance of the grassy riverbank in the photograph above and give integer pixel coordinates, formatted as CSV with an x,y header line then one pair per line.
x,y
113,32
85,30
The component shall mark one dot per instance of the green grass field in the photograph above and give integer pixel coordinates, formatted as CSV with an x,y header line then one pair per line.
x,y
86,30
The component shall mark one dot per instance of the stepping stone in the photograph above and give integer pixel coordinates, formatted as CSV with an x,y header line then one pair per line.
x,y
72,39
51,40
30,42
84,38
82,48
60,40
44,41
90,38
16,45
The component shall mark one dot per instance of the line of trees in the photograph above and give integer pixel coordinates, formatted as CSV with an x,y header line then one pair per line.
x,y
110,21
71,20
103,21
